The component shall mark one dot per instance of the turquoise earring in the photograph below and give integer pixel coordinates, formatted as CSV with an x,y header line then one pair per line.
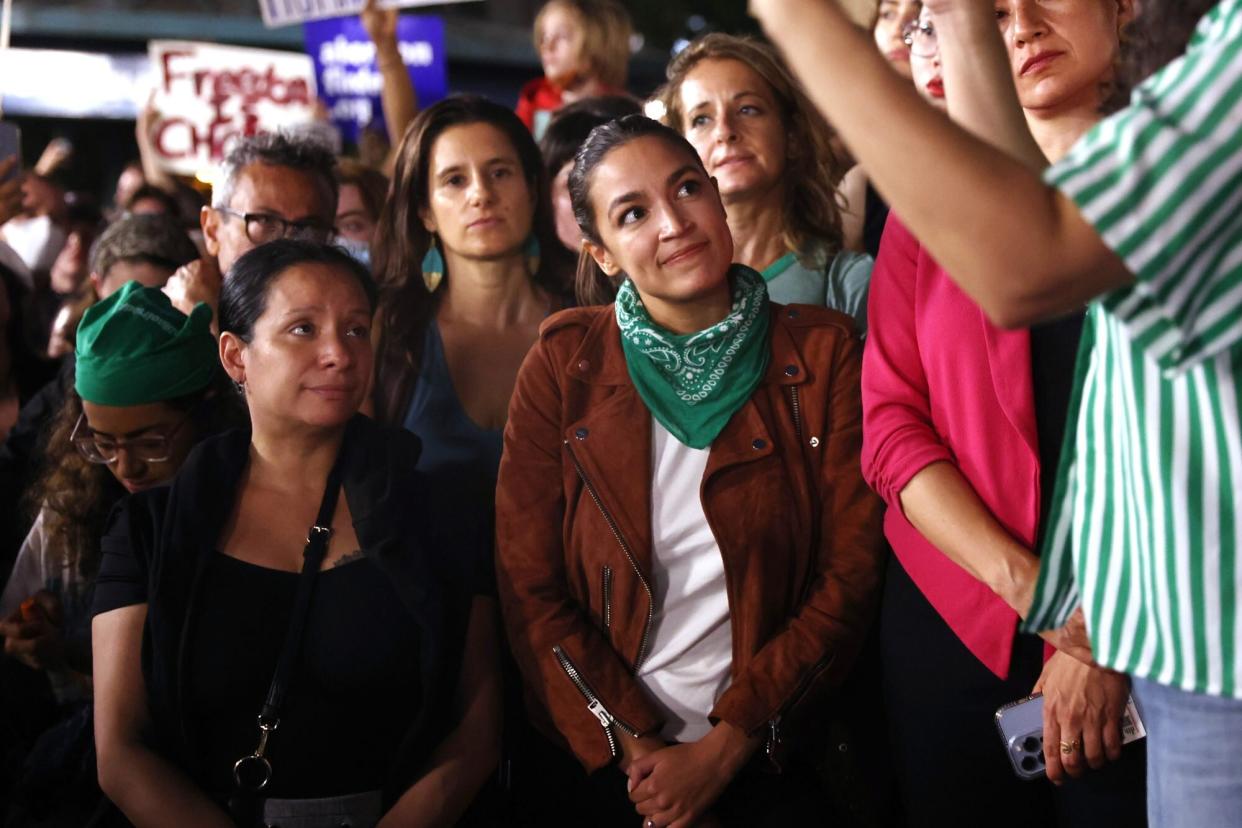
x,y
532,254
433,267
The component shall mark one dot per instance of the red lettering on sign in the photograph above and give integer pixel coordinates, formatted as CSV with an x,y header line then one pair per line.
x,y
169,75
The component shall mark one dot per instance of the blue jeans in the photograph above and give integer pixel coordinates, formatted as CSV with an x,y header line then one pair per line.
x,y
1194,757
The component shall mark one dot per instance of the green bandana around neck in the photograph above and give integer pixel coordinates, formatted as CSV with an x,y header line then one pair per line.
x,y
694,383
135,348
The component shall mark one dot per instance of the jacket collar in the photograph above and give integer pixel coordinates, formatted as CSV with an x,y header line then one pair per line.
x,y
612,442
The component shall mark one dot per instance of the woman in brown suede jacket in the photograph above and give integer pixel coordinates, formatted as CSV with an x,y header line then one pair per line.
x,y
688,555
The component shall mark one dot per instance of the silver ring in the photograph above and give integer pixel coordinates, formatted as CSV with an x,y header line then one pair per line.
x,y
650,823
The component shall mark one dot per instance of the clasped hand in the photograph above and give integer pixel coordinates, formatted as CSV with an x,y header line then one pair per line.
x,y
676,785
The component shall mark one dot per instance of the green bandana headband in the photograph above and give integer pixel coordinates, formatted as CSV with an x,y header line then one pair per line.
x,y
135,348
694,383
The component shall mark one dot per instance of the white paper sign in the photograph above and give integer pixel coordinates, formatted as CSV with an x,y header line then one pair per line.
x,y
66,84
207,94
286,12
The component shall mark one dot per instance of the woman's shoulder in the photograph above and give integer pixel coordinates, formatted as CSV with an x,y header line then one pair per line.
x,y
216,453
380,473
566,329
581,317
134,525
847,261
804,321
814,336
391,444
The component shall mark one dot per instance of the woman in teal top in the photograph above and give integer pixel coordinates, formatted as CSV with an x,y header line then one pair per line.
x,y
465,283
774,162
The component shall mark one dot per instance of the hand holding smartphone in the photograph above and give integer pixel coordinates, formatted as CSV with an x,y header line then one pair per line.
x,y
1021,726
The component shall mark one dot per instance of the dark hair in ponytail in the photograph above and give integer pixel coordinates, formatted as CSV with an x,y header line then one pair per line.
x,y
591,285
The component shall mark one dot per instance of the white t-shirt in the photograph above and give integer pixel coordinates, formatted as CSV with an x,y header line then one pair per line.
x,y
691,644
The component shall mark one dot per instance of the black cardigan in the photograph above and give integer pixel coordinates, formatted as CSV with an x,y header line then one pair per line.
x,y
431,550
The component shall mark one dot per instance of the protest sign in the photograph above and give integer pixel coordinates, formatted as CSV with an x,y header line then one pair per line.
x,y
349,81
206,94
285,12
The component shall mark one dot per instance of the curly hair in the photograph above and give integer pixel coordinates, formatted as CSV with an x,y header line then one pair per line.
x,y
75,494
813,167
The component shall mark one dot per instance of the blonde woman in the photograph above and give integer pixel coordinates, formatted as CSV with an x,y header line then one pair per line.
x,y
777,170
584,46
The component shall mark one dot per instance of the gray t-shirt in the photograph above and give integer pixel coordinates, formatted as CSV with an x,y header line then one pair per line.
x,y
842,285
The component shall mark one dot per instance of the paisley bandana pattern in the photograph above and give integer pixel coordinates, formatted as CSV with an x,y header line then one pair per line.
x,y
694,383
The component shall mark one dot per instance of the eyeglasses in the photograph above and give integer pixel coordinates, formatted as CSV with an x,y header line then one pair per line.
x,y
262,228
155,448
921,38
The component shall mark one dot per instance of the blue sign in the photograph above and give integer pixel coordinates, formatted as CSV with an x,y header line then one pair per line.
x,y
349,81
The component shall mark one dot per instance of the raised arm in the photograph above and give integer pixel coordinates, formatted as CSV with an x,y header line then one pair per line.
x,y
145,786
397,94
155,174
978,83
972,204
468,755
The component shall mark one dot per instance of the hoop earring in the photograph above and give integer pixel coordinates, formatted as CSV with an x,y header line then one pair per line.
x,y
433,267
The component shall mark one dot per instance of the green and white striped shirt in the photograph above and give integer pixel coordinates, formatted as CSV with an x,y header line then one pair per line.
x,y
1146,527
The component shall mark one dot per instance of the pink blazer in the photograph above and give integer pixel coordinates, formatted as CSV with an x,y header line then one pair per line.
x,y
940,382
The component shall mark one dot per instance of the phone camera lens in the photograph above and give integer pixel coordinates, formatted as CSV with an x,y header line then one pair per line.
x,y
1030,744
1028,764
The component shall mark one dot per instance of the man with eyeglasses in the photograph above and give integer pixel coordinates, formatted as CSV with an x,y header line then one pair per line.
x,y
272,185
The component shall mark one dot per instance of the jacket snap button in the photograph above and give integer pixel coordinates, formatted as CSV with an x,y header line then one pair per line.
x,y
582,433
791,370
793,313
814,442
584,365
758,444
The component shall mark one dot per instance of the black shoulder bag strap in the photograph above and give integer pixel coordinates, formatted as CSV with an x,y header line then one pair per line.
x,y
252,773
